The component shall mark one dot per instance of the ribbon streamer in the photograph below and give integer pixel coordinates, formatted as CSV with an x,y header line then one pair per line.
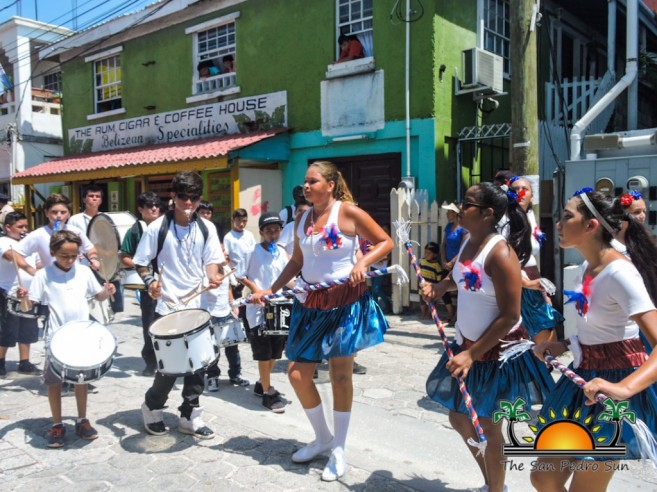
x,y
402,278
402,229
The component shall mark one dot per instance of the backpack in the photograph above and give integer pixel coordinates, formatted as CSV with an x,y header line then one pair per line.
x,y
290,216
164,228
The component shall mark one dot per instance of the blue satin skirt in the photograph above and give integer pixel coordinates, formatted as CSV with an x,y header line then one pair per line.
x,y
537,314
488,382
317,334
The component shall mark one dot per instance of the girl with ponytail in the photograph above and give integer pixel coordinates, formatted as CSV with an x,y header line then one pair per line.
x,y
487,276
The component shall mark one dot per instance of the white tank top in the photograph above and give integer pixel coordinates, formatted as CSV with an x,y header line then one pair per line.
x,y
476,308
319,261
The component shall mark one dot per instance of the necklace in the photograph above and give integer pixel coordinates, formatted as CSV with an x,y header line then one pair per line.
x,y
187,240
313,219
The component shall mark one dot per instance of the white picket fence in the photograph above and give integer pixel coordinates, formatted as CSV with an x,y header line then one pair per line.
x,y
427,222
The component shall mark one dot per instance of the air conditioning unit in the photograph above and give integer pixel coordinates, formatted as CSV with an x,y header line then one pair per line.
x,y
482,71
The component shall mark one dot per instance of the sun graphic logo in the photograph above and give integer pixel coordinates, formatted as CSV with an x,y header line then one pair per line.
x,y
564,435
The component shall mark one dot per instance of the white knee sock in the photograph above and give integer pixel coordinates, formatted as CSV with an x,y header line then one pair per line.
x,y
341,425
318,422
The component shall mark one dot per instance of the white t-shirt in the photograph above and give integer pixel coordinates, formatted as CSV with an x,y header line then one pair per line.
x,y
183,259
81,221
238,246
283,214
8,279
262,269
38,241
65,293
287,238
617,293
216,301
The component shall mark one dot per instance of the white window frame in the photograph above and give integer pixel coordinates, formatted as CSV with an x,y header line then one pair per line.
x,y
341,27
98,57
484,32
219,85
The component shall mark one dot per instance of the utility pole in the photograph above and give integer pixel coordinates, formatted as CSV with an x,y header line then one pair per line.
x,y
523,15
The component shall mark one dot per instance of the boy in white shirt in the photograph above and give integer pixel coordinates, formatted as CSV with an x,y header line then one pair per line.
x,y
263,266
57,286
189,253
15,329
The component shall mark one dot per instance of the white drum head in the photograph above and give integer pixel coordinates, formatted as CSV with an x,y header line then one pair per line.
x,y
82,344
179,323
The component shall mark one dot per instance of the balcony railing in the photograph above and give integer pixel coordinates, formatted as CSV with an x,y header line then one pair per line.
x,y
568,101
216,83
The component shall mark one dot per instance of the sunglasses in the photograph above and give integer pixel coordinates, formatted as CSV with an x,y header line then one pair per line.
x,y
464,205
151,205
184,197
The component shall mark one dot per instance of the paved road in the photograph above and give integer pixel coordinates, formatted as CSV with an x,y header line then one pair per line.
x,y
398,441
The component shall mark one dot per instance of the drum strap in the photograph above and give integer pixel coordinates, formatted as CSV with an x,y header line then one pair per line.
x,y
164,229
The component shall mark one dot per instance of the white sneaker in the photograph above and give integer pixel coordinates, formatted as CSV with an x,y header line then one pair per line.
x,y
213,384
336,466
310,451
194,426
153,420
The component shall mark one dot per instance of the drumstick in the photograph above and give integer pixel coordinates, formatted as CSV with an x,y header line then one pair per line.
x,y
185,300
26,304
104,275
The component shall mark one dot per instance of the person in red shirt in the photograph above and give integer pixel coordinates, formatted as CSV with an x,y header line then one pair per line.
x,y
350,48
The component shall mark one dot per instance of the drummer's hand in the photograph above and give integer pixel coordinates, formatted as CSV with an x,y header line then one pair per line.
x,y
357,274
216,280
155,290
94,263
21,292
110,288
257,297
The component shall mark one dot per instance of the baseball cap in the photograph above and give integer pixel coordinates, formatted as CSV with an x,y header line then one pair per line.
x,y
269,218
452,206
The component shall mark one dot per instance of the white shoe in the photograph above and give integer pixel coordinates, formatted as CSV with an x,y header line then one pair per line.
x,y
336,466
310,451
213,384
153,420
194,426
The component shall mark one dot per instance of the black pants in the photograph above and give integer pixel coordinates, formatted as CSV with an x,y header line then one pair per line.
x,y
158,394
147,305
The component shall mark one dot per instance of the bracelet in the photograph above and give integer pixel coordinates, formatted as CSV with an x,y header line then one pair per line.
x,y
94,258
148,280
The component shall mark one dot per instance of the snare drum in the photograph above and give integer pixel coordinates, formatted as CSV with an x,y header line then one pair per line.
x,y
37,311
131,280
277,317
101,311
184,342
230,333
81,351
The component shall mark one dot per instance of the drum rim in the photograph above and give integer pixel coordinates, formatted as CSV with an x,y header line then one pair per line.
x,y
181,335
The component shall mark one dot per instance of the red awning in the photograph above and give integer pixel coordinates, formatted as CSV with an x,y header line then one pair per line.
x,y
152,159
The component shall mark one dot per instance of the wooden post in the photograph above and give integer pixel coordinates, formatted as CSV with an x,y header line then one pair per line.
x,y
524,89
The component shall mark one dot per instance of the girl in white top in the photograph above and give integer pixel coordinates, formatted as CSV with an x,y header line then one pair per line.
x,y
332,324
488,279
613,307
538,315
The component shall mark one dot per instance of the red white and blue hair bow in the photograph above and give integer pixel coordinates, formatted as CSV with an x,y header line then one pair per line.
x,y
471,276
581,298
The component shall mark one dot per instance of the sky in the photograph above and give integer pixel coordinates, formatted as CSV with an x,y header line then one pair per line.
x,y
61,12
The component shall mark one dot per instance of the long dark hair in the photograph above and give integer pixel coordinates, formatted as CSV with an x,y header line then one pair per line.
x,y
641,247
495,197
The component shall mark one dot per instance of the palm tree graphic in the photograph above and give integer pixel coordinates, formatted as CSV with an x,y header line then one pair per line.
x,y
616,413
513,412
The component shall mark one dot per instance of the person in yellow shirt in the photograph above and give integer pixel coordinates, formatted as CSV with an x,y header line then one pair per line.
x,y
432,272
